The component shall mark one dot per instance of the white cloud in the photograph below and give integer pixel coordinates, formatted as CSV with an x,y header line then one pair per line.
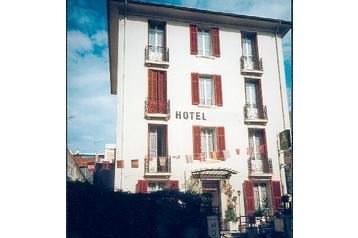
x,y
263,8
100,38
79,41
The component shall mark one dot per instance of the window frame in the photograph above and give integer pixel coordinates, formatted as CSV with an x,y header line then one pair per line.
x,y
207,153
201,41
207,78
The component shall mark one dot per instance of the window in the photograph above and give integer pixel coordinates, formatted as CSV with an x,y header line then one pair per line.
x,y
206,92
249,50
208,144
157,92
156,40
134,163
261,196
257,150
254,105
207,140
156,186
256,144
157,150
204,42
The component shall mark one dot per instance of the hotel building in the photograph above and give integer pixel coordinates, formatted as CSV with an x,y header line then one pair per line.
x,y
201,101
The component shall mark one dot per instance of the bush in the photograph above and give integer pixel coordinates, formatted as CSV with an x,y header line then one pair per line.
x,y
94,212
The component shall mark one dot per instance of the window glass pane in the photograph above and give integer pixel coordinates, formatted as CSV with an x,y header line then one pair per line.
x,y
251,93
207,43
203,141
202,91
247,46
200,42
209,90
204,42
210,140
160,38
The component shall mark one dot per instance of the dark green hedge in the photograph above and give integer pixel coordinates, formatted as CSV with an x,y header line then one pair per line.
x,y
92,212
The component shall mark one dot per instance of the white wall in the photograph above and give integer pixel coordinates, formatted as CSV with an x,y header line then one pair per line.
x,y
132,91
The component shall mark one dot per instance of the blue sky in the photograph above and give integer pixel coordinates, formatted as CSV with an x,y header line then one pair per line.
x,y
91,111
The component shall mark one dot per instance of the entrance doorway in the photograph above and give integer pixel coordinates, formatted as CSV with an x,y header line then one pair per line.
x,y
213,187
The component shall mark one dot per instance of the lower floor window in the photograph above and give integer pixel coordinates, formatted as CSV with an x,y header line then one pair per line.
x,y
207,142
261,196
156,186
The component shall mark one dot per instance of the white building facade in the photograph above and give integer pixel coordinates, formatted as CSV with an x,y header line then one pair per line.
x,y
201,100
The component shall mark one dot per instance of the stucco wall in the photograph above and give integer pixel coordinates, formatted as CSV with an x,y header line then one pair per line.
x,y
132,90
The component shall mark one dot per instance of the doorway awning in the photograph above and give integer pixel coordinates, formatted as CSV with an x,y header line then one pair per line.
x,y
213,173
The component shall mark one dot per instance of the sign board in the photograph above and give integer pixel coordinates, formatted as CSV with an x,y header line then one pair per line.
x,y
285,139
289,181
278,224
213,227
287,156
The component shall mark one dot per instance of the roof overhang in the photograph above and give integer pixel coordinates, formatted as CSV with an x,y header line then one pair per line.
x,y
181,14
213,173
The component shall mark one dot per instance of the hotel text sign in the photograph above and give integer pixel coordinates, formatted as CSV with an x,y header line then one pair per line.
x,y
190,115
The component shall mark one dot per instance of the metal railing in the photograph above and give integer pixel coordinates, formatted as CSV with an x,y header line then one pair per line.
x,y
252,112
156,106
262,165
160,164
251,63
156,53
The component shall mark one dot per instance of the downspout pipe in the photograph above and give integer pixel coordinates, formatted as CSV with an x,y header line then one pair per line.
x,y
282,108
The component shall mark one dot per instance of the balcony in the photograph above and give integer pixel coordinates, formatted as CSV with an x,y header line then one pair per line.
x,y
156,56
260,167
156,109
251,65
254,114
157,166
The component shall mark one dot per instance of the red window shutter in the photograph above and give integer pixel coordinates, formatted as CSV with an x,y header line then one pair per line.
x,y
173,184
249,197
215,41
196,142
162,91
193,39
218,91
142,186
195,88
276,195
152,91
220,133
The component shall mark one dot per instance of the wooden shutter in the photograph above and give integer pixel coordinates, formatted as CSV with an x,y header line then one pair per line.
x,y
173,184
142,186
215,41
249,198
162,92
220,133
276,195
152,91
196,142
193,39
195,88
218,90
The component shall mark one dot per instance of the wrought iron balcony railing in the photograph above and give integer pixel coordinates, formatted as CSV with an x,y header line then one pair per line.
x,y
157,165
263,165
254,112
156,53
251,63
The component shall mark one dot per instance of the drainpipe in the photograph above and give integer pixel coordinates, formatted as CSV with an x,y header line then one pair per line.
x,y
282,107
123,76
